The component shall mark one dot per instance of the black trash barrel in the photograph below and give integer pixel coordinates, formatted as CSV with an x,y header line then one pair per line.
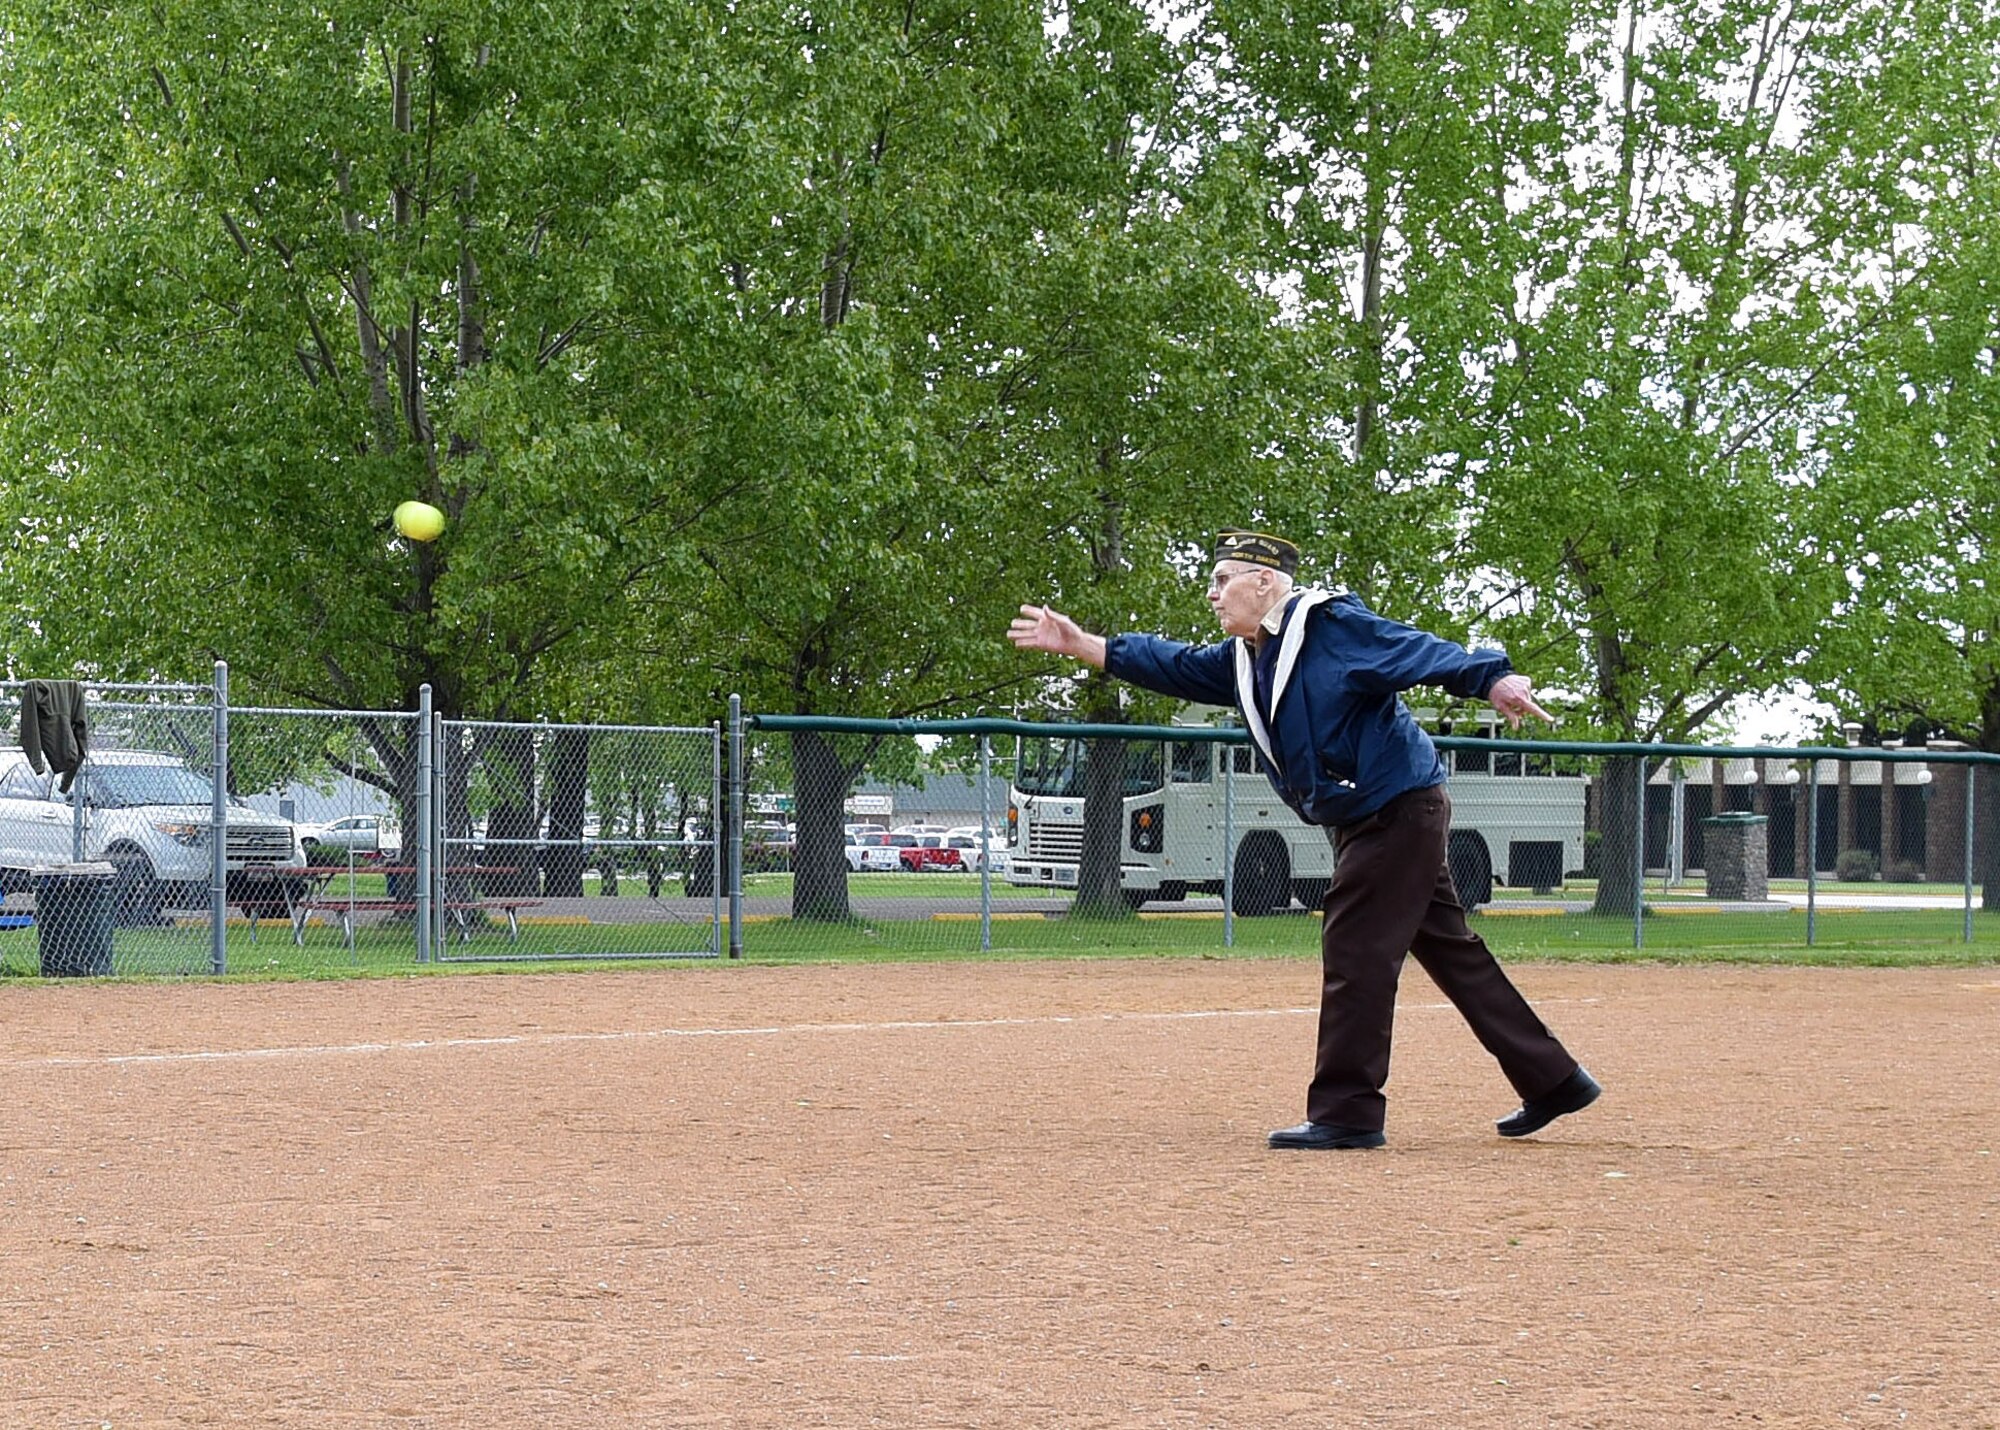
x,y
73,906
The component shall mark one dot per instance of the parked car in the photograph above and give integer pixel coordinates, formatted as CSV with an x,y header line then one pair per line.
x,y
928,853
978,852
149,816
368,836
878,851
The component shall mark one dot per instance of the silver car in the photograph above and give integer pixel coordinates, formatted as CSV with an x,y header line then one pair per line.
x,y
367,835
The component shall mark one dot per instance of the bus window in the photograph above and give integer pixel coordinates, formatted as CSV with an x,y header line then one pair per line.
x,y
1472,762
1142,767
1049,767
1507,762
1246,760
1192,764
1056,767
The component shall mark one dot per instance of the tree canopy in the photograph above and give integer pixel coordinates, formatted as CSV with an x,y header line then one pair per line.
x,y
781,350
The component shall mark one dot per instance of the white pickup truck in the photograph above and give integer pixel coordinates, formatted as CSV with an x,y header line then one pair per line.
x,y
148,815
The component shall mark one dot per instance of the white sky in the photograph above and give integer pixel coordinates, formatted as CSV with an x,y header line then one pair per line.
x,y
1778,719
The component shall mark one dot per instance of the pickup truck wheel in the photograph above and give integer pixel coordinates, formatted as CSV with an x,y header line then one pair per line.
x,y
135,893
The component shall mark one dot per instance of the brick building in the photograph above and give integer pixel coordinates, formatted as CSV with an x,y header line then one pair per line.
x,y
1910,816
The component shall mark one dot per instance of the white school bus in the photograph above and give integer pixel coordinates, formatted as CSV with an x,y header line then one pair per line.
x,y
1516,819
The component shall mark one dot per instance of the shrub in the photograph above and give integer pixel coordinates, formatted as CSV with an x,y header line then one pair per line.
x,y
1902,871
1854,866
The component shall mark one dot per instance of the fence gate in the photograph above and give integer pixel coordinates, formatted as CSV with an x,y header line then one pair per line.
x,y
576,842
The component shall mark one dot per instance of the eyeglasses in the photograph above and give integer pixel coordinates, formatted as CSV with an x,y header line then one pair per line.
x,y
1218,579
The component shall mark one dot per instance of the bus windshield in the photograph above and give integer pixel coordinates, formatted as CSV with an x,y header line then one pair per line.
x,y
1055,767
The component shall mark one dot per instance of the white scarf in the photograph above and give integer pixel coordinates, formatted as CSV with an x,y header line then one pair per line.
x,y
1288,656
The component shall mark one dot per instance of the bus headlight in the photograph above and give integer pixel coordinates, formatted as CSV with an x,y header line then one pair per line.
x,y
1147,823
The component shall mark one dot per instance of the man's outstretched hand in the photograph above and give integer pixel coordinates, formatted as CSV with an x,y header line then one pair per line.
x,y
1514,697
1046,629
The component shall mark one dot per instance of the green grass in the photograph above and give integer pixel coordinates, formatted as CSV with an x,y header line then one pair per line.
x,y
1923,936
1870,938
1857,938
378,950
1583,890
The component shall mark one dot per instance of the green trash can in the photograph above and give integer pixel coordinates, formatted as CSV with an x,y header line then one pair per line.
x,y
73,906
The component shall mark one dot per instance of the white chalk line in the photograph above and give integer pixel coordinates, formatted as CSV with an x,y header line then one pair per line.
x,y
525,1040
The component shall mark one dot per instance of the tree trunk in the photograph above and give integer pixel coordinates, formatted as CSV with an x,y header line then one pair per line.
x,y
1099,876
1986,837
819,860
1370,364
510,764
1623,815
568,794
1986,802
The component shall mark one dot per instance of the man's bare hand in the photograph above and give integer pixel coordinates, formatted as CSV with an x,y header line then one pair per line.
x,y
1043,628
1514,697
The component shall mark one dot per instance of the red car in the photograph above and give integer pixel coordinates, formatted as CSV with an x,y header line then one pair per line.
x,y
927,852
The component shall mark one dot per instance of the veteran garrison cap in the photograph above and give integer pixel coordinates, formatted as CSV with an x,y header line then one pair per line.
x,y
1257,548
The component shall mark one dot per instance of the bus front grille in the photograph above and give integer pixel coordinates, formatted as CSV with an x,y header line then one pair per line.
x,y
1063,842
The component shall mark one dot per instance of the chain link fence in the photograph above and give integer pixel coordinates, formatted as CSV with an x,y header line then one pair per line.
x,y
119,852
198,838
349,783
578,842
956,837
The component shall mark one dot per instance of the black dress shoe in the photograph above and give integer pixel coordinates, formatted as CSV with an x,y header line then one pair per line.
x,y
1572,1094
1325,1137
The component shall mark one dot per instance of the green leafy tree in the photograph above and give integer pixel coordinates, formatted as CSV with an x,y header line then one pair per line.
x,y
1587,262
279,268
1008,319
734,344
1911,502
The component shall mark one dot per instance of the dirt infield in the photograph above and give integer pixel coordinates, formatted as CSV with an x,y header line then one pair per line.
x,y
1009,1195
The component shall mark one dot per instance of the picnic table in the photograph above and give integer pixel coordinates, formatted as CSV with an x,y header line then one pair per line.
x,y
308,889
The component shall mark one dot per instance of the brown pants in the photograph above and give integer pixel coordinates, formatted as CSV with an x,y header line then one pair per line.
x,y
1392,894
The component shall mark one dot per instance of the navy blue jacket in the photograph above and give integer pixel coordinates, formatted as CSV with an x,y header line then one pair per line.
x,y
1321,699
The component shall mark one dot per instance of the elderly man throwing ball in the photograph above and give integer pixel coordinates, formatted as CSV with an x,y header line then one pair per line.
x,y
1317,677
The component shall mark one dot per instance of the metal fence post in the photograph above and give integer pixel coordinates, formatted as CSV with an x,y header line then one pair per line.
x,y
1971,786
218,887
1639,856
985,844
427,862
1812,847
1676,826
79,801
734,865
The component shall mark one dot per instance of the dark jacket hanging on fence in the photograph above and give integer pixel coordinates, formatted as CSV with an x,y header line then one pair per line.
x,y
53,724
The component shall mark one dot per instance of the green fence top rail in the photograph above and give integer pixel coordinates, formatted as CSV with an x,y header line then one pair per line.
x,y
1237,735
